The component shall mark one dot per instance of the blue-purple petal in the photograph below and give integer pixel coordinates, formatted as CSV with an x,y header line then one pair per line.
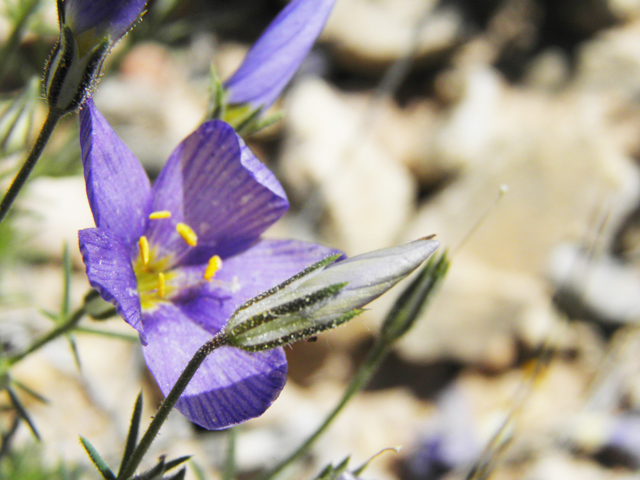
x,y
108,263
230,387
117,186
256,270
112,17
276,56
214,184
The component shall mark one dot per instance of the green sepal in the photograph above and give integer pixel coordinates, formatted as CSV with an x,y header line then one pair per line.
x,y
286,309
22,412
414,299
217,97
267,121
321,264
300,334
132,435
97,460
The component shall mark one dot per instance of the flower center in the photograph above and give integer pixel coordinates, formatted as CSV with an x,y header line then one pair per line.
x,y
158,280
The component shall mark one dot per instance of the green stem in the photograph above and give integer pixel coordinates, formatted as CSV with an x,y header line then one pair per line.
x,y
230,462
47,129
358,382
14,39
61,329
169,402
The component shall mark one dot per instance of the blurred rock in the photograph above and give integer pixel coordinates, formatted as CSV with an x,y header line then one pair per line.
x,y
367,36
151,104
329,156
560,165
602,287
54,210
556,465
477,317
450,440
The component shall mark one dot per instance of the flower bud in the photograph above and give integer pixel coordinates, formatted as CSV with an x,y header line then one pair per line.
x,y
323,296
88,30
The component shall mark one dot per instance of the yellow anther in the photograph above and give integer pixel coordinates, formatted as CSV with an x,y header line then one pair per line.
x,y
215,264
162,288
187,234
143,243
160,214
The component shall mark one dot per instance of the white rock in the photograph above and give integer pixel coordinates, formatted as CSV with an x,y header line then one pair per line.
x,y
369,34
369,195
54,210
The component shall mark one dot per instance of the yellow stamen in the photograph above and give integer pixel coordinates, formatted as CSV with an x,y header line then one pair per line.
x,y
187,234
143,243
160,214
215,264
162,289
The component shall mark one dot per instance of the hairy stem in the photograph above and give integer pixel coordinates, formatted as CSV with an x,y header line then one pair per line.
x,y
169,402
43,137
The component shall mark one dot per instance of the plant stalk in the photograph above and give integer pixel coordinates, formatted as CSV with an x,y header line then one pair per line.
x,y
21,178
169,402
358,382
63,328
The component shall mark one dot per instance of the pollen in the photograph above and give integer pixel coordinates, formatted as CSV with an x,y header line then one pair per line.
x,y
143,243
187,234
160,214
162,288
215,264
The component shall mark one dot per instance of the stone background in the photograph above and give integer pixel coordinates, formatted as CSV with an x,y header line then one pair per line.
x,y
511,129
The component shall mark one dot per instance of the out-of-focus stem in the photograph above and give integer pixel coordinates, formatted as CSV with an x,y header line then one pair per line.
x,y
14,39
21,178
61,329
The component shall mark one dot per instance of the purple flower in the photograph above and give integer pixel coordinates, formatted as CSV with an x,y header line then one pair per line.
x,y
278,53
112,18
178,258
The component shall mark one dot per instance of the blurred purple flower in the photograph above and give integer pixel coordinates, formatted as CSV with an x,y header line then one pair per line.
x,y
278,53
112,18
178,258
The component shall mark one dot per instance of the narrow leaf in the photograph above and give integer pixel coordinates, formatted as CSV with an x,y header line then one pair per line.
x,y
132,436
154,473
178,476
105,333
97,460
74,350
30,391
22,411
66,282
176,462
50,315
230,460
414,299
197,471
